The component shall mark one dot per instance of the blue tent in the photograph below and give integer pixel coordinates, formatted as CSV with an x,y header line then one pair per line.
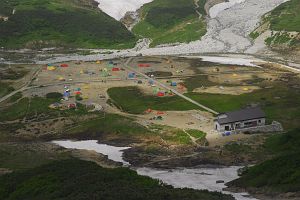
x,y
151,82
66,94
173,84
131,75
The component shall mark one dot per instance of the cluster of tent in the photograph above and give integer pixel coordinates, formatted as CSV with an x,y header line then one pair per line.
x,y
51,67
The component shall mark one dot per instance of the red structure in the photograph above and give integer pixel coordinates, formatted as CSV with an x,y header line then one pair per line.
x,y
144,65
115,69
64,65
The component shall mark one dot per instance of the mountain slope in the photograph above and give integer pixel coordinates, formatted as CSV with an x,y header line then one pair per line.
x,y
283,25
69,23
171,21
75,179
280,174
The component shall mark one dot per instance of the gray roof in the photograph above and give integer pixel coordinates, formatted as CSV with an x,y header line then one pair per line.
x,y
240,115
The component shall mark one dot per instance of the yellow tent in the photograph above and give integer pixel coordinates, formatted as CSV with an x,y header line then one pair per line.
x,y
61,78
98,62
245,89
234,74
51,68
81,71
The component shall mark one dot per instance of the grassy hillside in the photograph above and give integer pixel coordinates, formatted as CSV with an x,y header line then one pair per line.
x,y
281,174
170,21
286,17
70,23
75,179
284,22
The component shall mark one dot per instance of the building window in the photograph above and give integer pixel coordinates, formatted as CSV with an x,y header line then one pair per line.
x,y
259,121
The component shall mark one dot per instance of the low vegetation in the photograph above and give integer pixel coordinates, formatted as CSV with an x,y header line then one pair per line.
x,y
5,89
169,21
136,102
286,17
71,23
284,23
21,156
31,107
106,124
75,179
280,174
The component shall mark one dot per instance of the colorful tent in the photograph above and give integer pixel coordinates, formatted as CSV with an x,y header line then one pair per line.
x,y
160,113
66,94
51,68
131,75
64,65
148,110
61,78
143,65
173,84
115,69
160,94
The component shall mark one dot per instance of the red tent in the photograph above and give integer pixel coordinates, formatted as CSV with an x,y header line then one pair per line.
x,y
143,65
64,65
160,94
78,92
115,69
148,110
160,113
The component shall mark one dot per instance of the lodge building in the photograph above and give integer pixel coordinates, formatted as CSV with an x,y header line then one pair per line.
x,y
241,119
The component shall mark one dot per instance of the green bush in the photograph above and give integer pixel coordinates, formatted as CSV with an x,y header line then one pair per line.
x,y
54,95
75,179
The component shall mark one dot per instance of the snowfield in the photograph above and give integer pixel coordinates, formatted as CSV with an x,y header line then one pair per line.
x,y
118,8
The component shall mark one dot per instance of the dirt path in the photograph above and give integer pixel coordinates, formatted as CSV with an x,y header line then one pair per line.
x,y
196,2
24,87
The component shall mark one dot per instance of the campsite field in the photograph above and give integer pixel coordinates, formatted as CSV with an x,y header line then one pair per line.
x,y
109,102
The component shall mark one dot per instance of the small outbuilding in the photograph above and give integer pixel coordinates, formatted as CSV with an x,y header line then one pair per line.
x,y
240,119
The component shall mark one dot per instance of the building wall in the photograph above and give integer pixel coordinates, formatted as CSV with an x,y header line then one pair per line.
x,y
239,125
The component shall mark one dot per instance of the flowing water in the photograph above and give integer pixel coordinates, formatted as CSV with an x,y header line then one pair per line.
x,y
196,178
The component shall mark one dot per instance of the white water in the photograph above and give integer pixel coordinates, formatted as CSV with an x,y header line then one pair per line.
x,y
113,153
118,8
216,9
196,178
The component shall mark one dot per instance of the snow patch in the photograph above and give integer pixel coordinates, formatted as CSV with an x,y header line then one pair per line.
x,y
112,152
228,60
118,8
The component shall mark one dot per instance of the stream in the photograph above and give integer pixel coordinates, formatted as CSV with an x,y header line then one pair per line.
x,y
195,178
